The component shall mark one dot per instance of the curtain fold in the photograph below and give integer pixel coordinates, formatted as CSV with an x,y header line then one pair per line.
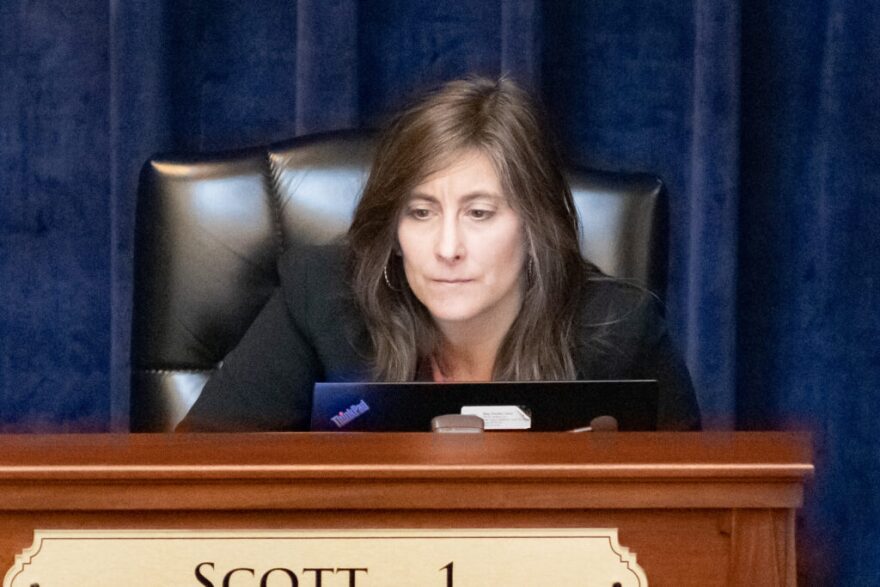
x,y
521,41
327,76
809,302
712,168
139,115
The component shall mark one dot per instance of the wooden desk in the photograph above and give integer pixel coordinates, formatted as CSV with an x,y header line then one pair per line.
x,y
697,508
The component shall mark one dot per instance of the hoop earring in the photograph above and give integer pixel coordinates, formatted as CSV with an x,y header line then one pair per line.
x,y
388,281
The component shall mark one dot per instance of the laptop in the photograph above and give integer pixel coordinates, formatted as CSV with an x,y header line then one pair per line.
x,y
544,406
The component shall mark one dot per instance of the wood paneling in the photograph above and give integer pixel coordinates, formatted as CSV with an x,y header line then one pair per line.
x,y
698,509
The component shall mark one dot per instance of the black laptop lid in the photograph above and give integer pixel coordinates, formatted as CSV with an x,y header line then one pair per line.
x,y
548,406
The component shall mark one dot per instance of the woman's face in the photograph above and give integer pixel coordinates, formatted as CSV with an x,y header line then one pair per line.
x,y
463,246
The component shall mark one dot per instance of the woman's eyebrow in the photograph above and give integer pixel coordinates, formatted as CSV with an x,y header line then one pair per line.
x,y
465,198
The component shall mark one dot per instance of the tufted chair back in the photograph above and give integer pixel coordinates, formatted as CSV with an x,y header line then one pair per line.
x,y
210,229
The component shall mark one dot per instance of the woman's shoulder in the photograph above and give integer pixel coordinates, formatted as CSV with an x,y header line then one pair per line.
x,y
320,302
609,298
618,314
322,261
315,274
314,280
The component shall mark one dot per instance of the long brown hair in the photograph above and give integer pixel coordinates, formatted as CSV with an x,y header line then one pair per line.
x,y
500,120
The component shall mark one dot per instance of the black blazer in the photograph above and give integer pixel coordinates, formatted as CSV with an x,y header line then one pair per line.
x,y
311,330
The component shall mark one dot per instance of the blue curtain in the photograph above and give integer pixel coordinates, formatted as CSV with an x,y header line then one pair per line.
x,y
761,116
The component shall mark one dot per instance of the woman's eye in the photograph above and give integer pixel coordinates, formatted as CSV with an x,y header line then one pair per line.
x,y
478,214
420,213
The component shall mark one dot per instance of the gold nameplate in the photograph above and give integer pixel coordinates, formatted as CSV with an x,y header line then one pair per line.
x,y
326,558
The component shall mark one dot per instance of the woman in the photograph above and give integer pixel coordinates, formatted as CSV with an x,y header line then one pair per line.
x,y
462,263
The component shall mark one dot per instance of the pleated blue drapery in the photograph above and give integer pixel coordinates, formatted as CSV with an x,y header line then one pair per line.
x,y
761,117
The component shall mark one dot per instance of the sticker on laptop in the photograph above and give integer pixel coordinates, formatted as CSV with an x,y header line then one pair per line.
x,y
501,417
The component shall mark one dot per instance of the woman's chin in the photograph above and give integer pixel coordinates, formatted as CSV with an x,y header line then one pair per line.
x,y
453,316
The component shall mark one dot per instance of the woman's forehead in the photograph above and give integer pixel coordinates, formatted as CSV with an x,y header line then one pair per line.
x,y
466,166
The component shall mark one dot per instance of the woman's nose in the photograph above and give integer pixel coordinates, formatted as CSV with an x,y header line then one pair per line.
x,y
449,242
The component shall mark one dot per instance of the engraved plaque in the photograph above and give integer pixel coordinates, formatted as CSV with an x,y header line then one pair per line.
x,y
326,558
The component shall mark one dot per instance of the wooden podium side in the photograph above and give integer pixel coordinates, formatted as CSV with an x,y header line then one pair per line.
x,y
697,508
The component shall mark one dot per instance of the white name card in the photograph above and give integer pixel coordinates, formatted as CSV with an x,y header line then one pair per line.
x,y
326,558
500,417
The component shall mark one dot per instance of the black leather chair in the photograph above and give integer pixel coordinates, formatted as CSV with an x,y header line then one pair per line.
x,y
210,228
